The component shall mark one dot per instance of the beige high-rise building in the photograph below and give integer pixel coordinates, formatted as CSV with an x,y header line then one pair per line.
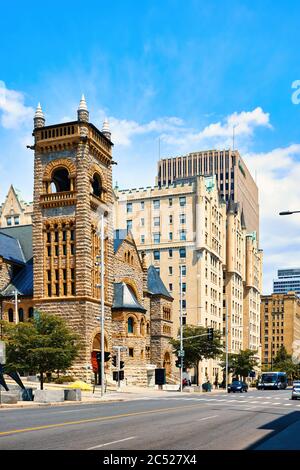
x,y
280,325
187,224
15,211
233,178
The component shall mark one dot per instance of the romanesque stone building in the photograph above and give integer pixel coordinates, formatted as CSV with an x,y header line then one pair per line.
x,y
60,274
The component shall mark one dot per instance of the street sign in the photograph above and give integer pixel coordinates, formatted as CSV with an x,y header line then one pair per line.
x,y
121,348
2,353
181,353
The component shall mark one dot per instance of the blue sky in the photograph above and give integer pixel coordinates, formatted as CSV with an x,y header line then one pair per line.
x,y
184,72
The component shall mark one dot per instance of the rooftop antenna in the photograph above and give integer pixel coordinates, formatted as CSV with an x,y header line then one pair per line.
x,y
159,148
233,128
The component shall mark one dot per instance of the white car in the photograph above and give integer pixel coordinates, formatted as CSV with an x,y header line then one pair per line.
x,y
296,390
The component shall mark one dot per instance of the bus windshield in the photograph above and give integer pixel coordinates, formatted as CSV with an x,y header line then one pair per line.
x,y
269,378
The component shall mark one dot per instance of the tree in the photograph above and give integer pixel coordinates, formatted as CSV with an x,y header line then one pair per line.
x,y
241,364
284,362
199,348
43,344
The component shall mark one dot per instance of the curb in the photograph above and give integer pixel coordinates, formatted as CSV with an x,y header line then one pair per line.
x,y
38,405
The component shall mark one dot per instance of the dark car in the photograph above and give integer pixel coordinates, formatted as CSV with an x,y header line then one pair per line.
x,y
238,386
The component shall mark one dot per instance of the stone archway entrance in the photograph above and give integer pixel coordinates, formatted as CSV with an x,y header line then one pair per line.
x,y
167,364
96,348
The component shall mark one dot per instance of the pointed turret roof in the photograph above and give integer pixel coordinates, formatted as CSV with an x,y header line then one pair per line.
x,y
39,112
82,105
155,284
105,126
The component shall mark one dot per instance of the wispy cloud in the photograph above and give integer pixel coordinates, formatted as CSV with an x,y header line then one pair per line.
x,y
278,175
14,113
219,134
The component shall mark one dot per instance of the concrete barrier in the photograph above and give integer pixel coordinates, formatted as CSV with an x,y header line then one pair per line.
x,y
171,387
9,398
49,396
72,394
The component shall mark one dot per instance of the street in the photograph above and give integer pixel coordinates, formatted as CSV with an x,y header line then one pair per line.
x,y
256,420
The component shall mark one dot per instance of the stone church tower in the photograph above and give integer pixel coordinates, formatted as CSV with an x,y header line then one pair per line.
x,y
72,187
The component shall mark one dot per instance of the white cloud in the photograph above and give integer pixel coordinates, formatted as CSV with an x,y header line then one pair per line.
x,y
219,134
13,111
124,130
278,176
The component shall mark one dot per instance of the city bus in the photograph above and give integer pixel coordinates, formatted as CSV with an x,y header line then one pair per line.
x,y
275,380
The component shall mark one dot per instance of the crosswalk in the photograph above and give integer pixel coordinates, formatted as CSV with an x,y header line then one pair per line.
x,y
243,400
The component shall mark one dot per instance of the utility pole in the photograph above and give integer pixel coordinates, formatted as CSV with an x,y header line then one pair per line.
x,y
181,332
16,305
226,339
102,304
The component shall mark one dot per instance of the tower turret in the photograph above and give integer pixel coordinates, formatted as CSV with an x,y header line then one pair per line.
x,y
105,129
39,118
82,112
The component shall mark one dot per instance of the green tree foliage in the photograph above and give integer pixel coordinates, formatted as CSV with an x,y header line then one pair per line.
x,y
283,362
43,344
199,348
241,364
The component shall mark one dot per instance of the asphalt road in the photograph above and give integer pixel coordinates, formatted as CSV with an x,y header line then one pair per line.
x,y
257,419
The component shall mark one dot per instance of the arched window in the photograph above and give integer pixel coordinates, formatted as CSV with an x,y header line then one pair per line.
x,y
97,185
21,315
143,327
130,325
30,312
148,328
60,180
10,315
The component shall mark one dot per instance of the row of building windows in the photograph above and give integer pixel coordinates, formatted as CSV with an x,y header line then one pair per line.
x,y
155,203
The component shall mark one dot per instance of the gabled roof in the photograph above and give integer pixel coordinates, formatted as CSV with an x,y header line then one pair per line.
x,y
22,282
124,299
155,284
119,237
10,249
22,234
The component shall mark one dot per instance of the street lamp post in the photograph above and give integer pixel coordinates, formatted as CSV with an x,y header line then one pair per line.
x,y
288,212
181,332
102,304
226,342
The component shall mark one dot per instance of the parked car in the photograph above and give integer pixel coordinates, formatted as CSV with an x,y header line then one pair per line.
x,y
296,390
238,386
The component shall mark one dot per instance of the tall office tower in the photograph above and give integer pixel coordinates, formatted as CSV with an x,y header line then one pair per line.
x,y
287,280
280,325
242,279
182,227
233,178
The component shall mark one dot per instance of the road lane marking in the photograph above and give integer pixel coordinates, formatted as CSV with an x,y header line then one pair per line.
x,y
101,418
207,417
287,404
113,442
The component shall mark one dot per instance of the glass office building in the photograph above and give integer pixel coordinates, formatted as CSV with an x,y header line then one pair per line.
x,y
287,280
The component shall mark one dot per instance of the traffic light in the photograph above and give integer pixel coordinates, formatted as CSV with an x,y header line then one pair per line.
x,y
98,356
178,363
114,360
106,356
122,364
210,334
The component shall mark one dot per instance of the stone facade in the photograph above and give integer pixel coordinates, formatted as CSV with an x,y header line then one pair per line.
x,y
280,326
72,178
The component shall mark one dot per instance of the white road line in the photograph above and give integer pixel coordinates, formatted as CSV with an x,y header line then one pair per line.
x,y
113,442
207,417
287,404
